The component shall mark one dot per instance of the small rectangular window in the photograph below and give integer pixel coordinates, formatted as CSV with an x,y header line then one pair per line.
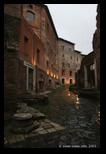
x,y
68,65
47,62
63,64
26,46
38,55
62,47
63,72
70,73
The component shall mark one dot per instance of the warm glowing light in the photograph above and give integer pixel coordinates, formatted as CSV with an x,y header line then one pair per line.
x,y
57,77
99,113
47,72
54,76
77,102
77,106
51,74
67,82
68,94
77,99
73,81
34,62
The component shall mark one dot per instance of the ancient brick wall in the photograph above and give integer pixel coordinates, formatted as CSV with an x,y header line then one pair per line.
x,y
27,32
10,79
44,28
11,48
14,10
22,78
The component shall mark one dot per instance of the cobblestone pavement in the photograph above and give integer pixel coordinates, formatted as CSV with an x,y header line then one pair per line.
x,y
81,115
73,123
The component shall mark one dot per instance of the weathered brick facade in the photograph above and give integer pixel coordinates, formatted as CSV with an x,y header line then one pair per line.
x,y
69,61
12,25
33,49
43,26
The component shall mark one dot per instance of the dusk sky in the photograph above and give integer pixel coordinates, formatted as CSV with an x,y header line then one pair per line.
x,y
75,23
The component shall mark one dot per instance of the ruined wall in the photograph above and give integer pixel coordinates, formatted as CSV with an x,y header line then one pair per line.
x,y
88,59
96,46
12,25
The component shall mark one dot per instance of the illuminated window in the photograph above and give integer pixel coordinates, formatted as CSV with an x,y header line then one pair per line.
x,y
30,16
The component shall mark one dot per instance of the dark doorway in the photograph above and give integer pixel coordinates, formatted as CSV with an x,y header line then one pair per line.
x,y
30,79
41,84
70,81
63,81
50,82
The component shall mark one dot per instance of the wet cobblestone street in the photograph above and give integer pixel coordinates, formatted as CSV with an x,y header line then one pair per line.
x,y
73,122
80,115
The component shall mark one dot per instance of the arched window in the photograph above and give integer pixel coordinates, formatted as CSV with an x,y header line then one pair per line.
x,y
30,16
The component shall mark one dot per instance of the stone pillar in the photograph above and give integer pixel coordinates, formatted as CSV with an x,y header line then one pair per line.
x,y
85,77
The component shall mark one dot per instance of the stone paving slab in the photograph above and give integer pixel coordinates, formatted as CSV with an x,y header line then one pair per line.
x,y
35,133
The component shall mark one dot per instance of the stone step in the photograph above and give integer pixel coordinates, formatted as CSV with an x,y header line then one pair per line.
x,y
38,116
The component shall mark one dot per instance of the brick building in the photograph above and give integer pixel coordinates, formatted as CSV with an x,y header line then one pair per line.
x,y
30,51
39,19
12,31
34,57
69,62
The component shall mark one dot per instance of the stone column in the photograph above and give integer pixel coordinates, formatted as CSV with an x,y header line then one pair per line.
x,y
85,76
